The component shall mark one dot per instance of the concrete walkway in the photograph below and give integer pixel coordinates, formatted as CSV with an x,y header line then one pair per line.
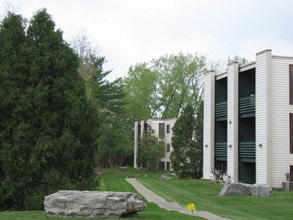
x,y
150,196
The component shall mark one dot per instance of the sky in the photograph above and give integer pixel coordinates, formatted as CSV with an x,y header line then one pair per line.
x,y
128,32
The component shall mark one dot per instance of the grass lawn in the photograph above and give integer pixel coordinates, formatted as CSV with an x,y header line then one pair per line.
x,y
205,196
153,212
203,193
112,180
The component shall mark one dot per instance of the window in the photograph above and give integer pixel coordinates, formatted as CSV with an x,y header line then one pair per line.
x,y
161,130
291,84
161,165
168,147
291,173
291,133
168,166
168,129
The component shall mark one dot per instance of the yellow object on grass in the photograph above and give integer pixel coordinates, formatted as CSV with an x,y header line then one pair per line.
x,y
191,207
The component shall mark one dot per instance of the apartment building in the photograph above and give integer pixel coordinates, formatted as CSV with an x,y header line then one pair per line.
x,y
163,131
248,121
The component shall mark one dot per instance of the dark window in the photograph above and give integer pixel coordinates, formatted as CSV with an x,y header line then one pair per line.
x,y
161,130
168,147
291,84
168,165
291,173
168,129
291,133
161,165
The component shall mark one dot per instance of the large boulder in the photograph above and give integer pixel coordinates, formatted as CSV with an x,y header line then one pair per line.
x,y
261,190
234,189
93,204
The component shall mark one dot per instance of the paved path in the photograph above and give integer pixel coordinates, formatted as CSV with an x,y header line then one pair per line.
x,y
150,196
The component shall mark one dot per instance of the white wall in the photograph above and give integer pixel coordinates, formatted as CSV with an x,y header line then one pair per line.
x,y
263,117
281,159
209,124
232,124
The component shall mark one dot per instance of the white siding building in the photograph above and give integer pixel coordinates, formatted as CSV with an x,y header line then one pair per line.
x,y
163,131
248,121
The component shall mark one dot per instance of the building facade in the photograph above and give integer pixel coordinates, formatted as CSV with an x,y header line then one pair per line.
x,y
248,121
163,131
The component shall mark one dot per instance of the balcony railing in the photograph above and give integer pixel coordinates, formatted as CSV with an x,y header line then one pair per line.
x,y
221,110
247,106
221,151
246,151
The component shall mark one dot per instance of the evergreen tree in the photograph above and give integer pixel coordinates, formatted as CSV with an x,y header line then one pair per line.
x,y
114,134
48,127
150,151
186,157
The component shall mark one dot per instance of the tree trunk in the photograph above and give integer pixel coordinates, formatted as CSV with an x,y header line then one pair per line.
x,y
26,199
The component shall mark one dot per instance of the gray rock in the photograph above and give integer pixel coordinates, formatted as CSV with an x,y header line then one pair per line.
x,y
123,169
234,189
133,176
261,190
165,177
93,204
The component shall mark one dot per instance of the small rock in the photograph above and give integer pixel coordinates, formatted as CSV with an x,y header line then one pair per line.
x,y
165,177
123,169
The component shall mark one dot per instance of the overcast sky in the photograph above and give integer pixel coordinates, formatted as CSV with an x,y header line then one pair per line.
x,y
132,31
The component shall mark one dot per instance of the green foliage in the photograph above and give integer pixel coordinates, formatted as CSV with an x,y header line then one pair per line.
x,y
140,87
180,82
161,88
115,133
150,151
48,128
186,157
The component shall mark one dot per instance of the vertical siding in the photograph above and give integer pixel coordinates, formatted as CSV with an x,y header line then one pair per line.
x,y
135,144
262,117
209,121
271,117
232,151
281,159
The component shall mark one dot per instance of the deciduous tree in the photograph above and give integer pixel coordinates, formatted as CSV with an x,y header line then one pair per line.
x,y
161,88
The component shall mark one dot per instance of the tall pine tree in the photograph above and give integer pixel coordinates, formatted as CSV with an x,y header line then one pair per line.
x,y
48,128
186,157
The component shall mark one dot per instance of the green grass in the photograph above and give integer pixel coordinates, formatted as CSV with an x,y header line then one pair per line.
x,y
112,180
153,212
206,197
204,194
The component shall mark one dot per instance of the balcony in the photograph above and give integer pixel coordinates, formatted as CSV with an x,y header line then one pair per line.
x,y
221,151
246,151
247,106
221,111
